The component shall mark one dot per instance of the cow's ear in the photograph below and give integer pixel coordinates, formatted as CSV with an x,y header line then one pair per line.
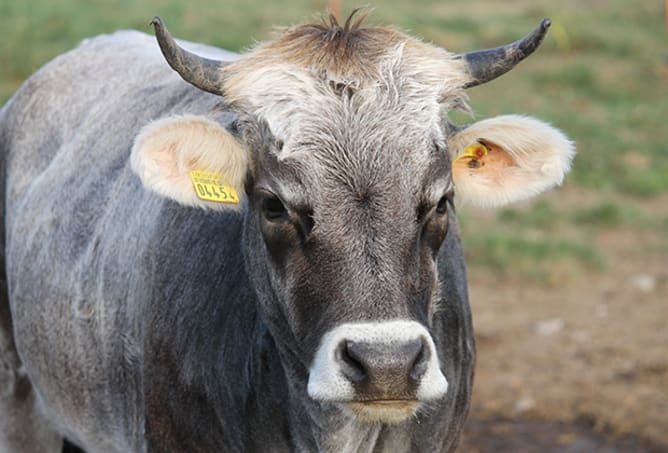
x,y
508,158
192,160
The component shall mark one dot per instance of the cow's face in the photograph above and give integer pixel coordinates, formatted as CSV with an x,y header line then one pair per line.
x,y
347,228
349,167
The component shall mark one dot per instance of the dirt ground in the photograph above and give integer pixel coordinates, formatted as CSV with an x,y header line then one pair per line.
x,y
579,364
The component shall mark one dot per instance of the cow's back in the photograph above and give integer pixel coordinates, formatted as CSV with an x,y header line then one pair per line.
x,y
83,236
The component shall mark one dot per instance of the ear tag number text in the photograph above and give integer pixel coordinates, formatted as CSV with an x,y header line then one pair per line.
x,y
210,187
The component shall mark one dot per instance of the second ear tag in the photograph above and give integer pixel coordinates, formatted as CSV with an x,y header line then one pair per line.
x,y
475,153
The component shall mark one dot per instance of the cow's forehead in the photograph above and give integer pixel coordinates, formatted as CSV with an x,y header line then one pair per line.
x,y
361,109
311,73
368,150
357,161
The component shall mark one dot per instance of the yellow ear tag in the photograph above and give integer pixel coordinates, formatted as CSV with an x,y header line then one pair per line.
x,y
210,187
476,152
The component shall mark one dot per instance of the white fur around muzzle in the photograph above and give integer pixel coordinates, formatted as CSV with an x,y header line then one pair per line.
x,y
327,382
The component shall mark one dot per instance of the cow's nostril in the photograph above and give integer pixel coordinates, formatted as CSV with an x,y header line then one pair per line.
x,y
421,362
352,364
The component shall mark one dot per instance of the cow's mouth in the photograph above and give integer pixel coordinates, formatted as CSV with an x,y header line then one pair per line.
x,y
385,411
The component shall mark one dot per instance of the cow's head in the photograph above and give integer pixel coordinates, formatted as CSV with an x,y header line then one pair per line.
x,y
348,165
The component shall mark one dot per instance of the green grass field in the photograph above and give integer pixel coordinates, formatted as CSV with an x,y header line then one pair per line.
x,y
601,76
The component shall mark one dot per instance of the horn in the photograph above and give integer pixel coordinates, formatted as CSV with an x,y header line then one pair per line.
x,y
201,72
488,64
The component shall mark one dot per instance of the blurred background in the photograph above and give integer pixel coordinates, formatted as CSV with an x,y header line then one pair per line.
x,y
570,290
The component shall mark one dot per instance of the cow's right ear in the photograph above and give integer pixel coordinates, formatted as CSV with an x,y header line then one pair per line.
x,y
192,160
508,158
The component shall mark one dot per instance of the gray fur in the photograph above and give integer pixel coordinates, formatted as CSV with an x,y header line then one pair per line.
x,y
143,325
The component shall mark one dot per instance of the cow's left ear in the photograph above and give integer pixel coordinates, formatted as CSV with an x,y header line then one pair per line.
x,y
508,158
192,160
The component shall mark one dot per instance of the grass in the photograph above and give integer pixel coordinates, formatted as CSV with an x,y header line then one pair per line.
x,y
541,215
537,258
601,76
609,214
602,215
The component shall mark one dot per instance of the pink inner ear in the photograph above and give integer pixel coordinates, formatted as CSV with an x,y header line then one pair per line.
x,y
493,165
164,159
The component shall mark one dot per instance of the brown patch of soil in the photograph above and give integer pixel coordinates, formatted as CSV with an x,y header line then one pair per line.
x,y
586,347
543,437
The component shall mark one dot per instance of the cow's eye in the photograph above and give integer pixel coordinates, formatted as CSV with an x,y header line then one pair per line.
x,y
431,211
442,206
273,208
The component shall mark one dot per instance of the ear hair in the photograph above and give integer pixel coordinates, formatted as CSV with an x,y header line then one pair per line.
x,y
526,157
167,150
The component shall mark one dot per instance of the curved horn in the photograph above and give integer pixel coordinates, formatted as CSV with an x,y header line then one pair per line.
x,y
199,71
486,65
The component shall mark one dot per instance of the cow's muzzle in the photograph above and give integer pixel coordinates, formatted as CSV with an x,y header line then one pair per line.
x,y
381,371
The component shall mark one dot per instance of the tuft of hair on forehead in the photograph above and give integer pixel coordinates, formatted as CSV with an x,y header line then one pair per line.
x,y
330,40
349,52
332,23
326,45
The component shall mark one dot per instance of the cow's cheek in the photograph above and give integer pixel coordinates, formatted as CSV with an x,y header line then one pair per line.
x,y
315,301
282,242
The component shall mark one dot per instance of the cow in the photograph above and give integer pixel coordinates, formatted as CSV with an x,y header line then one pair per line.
x,y
263,259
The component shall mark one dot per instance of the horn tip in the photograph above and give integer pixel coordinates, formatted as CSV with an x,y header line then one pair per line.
x,y
157,22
